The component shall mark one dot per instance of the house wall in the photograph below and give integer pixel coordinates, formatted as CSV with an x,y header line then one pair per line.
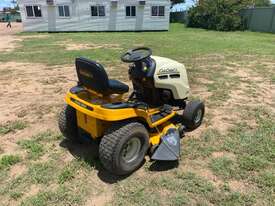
x,y
81,20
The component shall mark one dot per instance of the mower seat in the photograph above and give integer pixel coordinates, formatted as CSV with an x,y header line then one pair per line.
x,y
93,76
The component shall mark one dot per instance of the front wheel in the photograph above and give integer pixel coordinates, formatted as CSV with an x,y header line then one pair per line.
x,y
123,148
193,115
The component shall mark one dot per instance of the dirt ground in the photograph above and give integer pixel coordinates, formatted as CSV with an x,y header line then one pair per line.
x,y
7,39
31,92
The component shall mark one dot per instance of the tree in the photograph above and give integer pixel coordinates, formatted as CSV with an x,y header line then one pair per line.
x,y
173,2
259,3
221,15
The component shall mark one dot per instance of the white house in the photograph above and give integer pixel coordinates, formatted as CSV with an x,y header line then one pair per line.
x,y
95,15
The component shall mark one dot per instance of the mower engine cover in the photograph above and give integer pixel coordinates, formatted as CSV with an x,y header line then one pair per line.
x,y
171,75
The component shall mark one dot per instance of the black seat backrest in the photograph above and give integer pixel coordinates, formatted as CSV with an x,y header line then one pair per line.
x,y
92,75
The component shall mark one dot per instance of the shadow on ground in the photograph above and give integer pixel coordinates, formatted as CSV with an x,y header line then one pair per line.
x,y
88,152
160,166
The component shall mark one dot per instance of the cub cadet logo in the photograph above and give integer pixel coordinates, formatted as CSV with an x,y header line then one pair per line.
x,y
168,71
86,74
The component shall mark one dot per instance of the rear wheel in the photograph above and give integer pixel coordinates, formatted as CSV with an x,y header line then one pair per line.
x,y
67,123
193,115
123,148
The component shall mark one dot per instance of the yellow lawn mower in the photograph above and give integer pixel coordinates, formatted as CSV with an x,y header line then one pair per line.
x,y
151,121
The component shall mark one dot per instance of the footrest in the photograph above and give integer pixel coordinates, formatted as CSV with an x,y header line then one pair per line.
x,y
165,110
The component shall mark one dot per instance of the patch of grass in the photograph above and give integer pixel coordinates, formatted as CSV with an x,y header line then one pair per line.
x,y
190,182
178,189
254,148
66,174
48,136
234,198
42,173
34,148
266,179
224,167
180,42
201,147
62,196
8,160
16,195
132,193
179,200
252,163
12,127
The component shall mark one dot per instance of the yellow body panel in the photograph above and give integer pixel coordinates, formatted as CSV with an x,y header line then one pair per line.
x,y
95,119
162,130
90,124
99,112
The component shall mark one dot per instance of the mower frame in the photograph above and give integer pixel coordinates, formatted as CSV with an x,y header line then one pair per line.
x,y
94,118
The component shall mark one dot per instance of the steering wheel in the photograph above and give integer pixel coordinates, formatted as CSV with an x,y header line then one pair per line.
x,y
137,54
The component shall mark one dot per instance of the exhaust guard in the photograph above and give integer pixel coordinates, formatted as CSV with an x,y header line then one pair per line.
x,y
169,149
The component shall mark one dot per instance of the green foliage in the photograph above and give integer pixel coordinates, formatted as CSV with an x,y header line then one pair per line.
x,y
177,1
8,160
12,127
259,3
221,15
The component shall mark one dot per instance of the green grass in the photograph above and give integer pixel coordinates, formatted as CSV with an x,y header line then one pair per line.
x,y
8,160
35,149
211,159
12,127
35,146
180,43
42,173
60,196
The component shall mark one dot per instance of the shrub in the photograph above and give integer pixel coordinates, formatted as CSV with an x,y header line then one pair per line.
x,y
220,15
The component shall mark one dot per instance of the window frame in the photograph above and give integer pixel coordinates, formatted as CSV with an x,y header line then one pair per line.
x,y
131,7
33,11
98,11
158,11
63,9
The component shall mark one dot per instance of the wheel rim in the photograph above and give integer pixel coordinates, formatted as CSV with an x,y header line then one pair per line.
x,y
198,117
131,150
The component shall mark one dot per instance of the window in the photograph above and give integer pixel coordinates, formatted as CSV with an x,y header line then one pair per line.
x,y
98,10
130,11
64,11
158,10
29,11
33,11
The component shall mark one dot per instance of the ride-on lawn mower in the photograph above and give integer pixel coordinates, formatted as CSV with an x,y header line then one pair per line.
x,y
151,121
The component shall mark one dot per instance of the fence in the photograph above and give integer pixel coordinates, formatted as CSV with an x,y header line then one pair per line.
x,y
179,17
13,17
260,19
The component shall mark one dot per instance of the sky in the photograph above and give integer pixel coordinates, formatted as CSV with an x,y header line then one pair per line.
x,y
5,3
179,7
